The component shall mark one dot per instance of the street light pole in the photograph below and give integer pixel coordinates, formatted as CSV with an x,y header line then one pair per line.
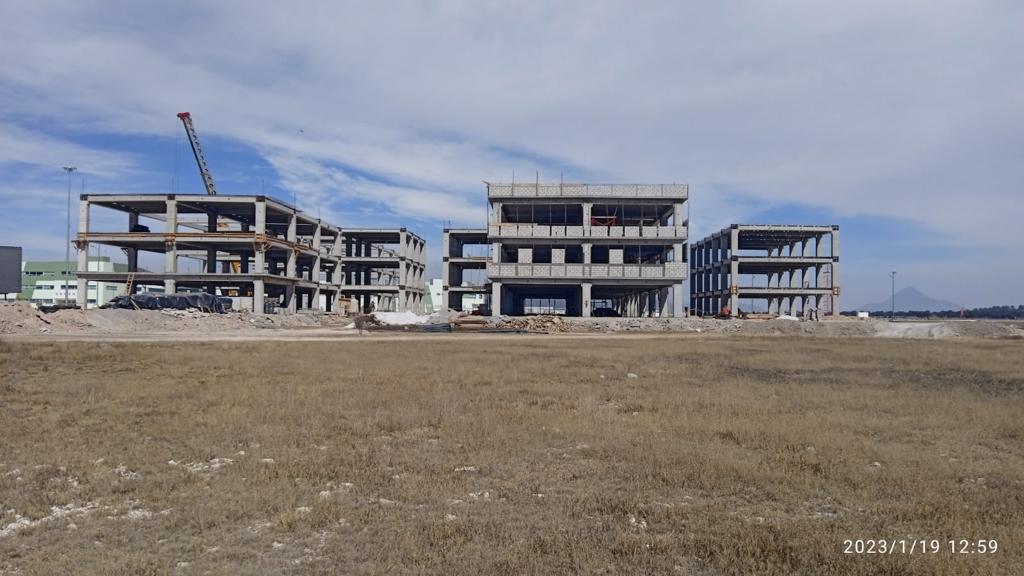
x,y
892,299
67,237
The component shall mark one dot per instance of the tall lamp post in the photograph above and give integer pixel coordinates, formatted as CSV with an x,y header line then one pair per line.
x,y
892,299
67,237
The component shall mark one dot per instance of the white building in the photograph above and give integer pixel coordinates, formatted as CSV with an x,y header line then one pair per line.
x,y
470,302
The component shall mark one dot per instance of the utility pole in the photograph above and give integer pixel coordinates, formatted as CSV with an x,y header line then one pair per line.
x,y
67,237
892,300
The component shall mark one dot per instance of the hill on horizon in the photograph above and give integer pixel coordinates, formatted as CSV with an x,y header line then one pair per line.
x,y
910,299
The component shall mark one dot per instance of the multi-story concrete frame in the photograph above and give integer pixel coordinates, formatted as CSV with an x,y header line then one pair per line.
x,y
622,246
457,258
788,267
254,246
384,267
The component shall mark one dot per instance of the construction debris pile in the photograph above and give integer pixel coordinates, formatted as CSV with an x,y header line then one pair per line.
x,y
545,324
20,318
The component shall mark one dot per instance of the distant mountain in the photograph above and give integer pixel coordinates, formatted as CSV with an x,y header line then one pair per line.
x,y
909,299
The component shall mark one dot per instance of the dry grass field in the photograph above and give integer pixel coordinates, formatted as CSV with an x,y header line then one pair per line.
x,y
519,456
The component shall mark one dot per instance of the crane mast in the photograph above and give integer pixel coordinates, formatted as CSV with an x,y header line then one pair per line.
x,y
193,139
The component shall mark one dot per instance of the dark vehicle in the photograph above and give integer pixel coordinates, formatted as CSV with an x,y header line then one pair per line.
x,y
606,313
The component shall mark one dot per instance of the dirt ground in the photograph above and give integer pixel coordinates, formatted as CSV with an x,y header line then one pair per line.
x,y
18,320
606,454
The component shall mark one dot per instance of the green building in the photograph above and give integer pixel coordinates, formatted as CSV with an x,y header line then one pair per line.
x,y
44,283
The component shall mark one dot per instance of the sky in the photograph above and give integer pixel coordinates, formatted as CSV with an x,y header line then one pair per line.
x,y
900,122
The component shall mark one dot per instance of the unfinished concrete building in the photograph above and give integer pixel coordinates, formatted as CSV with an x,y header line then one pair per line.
x,y
464,265
262,252
577,249
384,269
779,269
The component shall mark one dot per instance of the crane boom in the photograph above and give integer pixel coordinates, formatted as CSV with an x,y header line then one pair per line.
x,y
204,172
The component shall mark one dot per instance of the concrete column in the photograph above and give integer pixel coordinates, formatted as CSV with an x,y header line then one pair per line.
x,y
314,272
171,245
257,295
677,214
663,302
261,217
292,253
336,276
447,246
82,256
495,298
290,266
835,271
588,210
734,280
259,256
677,300
586,252
171,217
211,227
132,253
290,300
259,259
586,287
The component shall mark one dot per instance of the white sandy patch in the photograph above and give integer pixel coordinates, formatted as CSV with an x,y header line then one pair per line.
x,y
56,513
208,466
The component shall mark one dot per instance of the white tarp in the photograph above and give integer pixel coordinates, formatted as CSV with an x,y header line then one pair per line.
x,y
399,318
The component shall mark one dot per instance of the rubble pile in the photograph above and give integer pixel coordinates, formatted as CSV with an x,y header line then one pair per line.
x,y
21,318
545,324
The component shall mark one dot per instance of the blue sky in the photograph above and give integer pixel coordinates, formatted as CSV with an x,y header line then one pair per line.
x,y
901,123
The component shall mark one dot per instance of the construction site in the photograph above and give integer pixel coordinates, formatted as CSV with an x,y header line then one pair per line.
x,y
784,269
464,288
271,395
575,250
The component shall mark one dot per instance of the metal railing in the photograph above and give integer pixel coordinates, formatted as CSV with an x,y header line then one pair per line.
x,y
536,190
670,270
545,231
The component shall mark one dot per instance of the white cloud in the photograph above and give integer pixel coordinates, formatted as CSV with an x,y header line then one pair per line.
x,y
36,149
909,110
